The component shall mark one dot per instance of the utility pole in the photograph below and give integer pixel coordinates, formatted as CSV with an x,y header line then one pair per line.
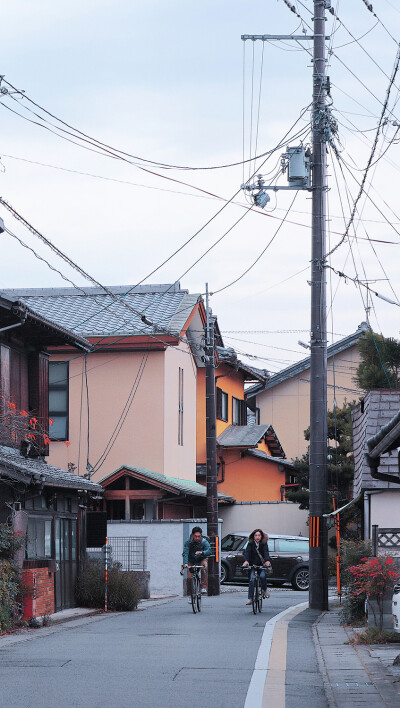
x,y
318,373
322,126
211,441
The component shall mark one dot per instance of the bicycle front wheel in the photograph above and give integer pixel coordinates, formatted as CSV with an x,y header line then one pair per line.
x,y
198,595
254,599
193,589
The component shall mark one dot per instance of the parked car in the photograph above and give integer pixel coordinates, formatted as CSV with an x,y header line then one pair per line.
x,y
289,559
396,607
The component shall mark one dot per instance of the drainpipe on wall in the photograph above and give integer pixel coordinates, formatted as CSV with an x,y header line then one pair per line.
x,y
367,511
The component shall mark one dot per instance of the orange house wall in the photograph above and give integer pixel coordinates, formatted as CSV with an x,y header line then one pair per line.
x,y
250,479
230,381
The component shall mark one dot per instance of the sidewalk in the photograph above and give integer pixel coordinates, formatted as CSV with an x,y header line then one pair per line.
x,y
359,675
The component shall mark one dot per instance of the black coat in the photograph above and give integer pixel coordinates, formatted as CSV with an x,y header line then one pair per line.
x,y
251,555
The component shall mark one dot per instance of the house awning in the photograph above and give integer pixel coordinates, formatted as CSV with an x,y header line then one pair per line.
x,y
248,436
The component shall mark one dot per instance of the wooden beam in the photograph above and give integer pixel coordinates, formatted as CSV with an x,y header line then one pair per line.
x,y
121,494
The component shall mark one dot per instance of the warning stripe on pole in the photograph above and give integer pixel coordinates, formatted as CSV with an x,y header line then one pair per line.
x,y
314,532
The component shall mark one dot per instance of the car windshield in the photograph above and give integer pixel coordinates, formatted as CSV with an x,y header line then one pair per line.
x,y
231,542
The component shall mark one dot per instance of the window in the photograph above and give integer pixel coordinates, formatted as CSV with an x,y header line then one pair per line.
x,y
287,545
38,538
58,399
180,407
222,405
239,411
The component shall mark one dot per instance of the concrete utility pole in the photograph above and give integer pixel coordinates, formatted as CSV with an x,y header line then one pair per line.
x,y
318,374
211,440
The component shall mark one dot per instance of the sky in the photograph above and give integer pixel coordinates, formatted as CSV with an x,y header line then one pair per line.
x,y
172,82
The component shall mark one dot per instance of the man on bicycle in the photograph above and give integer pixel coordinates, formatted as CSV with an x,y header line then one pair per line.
x,y
257,553
195,552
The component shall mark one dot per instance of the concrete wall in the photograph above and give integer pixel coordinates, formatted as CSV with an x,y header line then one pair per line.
x,y
165,541
385,508
272,517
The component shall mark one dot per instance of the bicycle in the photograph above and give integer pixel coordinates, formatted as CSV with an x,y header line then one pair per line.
x,y
257,597
195,586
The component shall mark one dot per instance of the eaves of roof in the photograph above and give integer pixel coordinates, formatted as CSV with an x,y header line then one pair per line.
x,y
268,458
183,486
37,471
304,364
49,331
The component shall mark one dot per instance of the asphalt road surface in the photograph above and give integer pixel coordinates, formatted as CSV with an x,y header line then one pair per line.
x,y
161,655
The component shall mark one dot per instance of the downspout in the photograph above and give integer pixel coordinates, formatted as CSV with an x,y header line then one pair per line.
x,y
222,463
367,511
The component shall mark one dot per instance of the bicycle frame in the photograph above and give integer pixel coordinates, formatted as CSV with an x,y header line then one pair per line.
x,y
195,587
256,599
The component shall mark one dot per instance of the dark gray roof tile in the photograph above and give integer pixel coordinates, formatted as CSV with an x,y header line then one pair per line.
x,y
97,314
37,470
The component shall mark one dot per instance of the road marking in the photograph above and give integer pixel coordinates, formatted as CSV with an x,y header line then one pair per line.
x,y
273,662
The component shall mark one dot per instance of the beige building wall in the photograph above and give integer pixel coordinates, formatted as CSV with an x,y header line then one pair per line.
x,y
179,460
286,406
148,435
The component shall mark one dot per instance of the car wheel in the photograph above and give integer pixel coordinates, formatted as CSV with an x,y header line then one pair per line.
x,y
301,579
224,574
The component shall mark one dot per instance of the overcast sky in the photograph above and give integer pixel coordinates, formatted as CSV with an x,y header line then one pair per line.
x,y
163,80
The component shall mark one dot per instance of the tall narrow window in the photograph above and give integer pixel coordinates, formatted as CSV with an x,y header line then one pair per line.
x,y
239,416
58,399
180,408
222,404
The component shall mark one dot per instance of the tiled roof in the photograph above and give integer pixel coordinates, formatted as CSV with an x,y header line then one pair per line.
x,y
181,485
97,313
249,436
378,409
29,470
242,435
35,327
304,364
228,355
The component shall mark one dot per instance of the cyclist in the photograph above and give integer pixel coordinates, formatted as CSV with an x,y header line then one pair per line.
x,y
195,552
257,553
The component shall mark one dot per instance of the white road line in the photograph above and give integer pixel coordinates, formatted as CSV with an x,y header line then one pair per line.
x,y
256,688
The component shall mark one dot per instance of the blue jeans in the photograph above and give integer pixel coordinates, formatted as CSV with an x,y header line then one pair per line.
x,y
263,579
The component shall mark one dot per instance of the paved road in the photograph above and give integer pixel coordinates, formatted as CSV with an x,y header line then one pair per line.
x,y
163,655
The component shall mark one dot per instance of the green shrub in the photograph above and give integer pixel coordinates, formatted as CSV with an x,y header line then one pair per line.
x,y
122,589
10,586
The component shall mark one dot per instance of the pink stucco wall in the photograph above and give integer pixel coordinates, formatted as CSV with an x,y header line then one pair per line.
x,y
148,437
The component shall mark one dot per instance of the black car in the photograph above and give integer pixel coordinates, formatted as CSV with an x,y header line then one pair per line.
x,y
289,559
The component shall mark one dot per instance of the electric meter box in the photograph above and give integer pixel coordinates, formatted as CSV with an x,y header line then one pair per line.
x,y
298,164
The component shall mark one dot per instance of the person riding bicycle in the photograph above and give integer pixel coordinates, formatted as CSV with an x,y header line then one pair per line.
x,y
195,552
257,553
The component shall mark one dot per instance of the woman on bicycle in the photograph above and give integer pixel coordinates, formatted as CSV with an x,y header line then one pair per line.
x,y
257,553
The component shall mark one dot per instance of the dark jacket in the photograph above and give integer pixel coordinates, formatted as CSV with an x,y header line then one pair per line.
x,y
251,555
190,548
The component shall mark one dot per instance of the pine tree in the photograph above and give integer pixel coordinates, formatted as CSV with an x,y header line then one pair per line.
x,y
340,467
380,362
